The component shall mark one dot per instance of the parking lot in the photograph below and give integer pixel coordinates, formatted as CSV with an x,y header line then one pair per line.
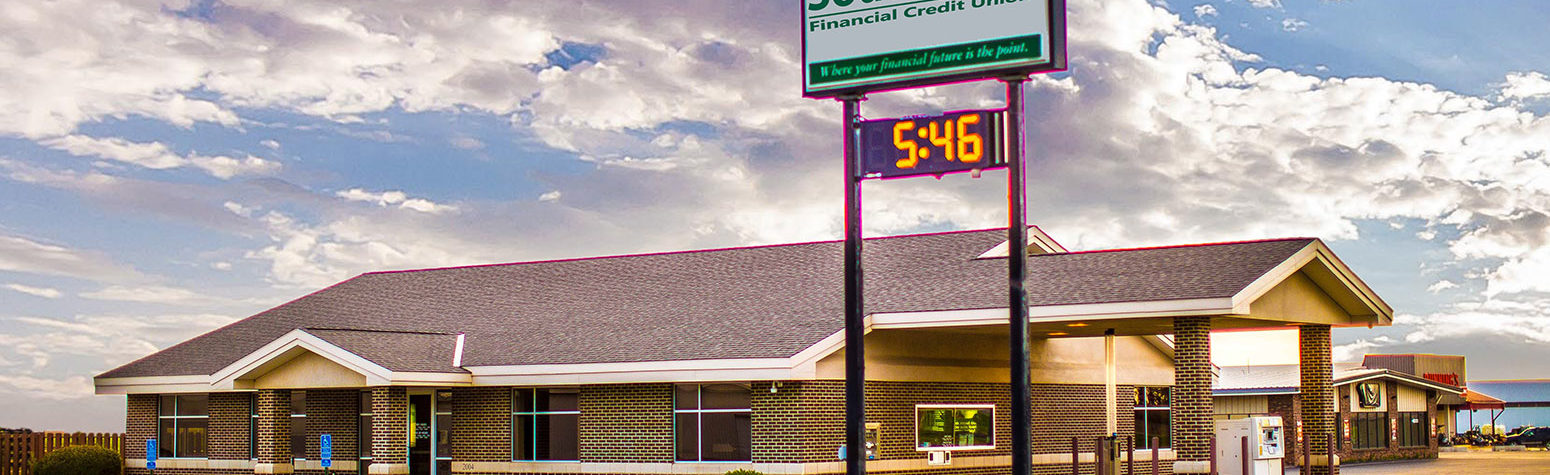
x,y
1453,463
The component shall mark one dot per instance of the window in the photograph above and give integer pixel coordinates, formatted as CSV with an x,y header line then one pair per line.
x,y
1153,416
253,427
545,424
443,441
1412,429
298,424
712,423
363,428
955,427
183,421
1369,430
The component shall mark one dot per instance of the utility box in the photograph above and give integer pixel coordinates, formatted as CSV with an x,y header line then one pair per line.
x,y
1267,446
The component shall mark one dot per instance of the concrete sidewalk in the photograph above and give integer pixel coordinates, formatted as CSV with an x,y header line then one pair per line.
x,y
1476,462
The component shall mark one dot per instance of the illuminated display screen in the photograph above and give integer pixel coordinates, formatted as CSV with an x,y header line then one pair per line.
x,y
955,427
932,145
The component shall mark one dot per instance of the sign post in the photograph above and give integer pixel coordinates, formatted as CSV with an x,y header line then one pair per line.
x,y
855,317
326,451
851,48
1017,273
150,454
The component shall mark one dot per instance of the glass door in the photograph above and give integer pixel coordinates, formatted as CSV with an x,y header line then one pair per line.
x,y
420,451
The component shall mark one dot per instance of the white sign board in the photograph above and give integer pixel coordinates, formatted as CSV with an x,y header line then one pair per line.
x,y
851,46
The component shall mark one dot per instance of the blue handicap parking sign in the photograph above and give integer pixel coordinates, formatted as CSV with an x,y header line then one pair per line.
x,y
150,454
326,449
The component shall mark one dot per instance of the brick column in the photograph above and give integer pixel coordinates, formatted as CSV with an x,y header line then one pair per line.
x,y
139,426
1192,409
389,431
1318,396
274,432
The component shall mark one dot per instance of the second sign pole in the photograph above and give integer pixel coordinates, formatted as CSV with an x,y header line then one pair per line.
x,y
1017,272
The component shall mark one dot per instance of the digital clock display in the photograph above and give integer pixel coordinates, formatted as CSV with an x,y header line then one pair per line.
x,y
932,145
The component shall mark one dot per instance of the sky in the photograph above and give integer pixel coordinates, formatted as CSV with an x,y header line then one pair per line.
x,y
168,167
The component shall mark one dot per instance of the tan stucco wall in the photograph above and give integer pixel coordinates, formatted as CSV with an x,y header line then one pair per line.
x,y
309,370
1298,299
925,355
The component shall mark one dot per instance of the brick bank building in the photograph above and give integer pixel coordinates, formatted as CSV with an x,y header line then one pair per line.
x,y
702,362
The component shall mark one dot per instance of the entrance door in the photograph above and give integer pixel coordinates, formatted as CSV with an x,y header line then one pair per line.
x,y
420,436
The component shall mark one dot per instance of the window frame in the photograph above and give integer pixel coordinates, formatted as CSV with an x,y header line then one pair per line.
x,y
699,412
1164,441
253,427
441,405
291,407
516,394
176,418
1412,435
1378,420
364,416
956,407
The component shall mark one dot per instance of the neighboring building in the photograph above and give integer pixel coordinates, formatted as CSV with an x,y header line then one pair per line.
x,y
1382,414
1521,402
705,361
1446,369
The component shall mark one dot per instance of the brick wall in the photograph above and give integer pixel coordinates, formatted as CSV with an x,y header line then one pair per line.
x,y
335,412
892,404
1063,411
1289,408
1318,398
229,423
390,425
274,426
800,422
139,424
627,423
481,424
1192,406
803,421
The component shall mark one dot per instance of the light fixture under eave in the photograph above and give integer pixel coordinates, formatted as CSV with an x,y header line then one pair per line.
x,y
1058,333
1077,324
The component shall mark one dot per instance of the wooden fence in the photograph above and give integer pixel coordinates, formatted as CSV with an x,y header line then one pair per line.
x,y
17,451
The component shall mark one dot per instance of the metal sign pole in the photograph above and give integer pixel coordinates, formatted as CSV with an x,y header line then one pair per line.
x,y
855,325
1017,272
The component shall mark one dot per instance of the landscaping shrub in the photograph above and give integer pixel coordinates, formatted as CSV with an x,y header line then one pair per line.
x,y
743,471
78,460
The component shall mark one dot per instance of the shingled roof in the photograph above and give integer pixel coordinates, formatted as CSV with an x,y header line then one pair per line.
x,y
752,302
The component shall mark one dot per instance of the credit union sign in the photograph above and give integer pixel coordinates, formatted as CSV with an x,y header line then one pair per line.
x,y
851,46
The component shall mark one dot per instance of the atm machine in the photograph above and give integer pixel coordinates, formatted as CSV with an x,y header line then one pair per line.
x,y
1267,445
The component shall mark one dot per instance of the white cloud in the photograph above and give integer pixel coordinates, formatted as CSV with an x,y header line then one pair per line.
x,y
45,292
1293,24
270,144
109,340
153,294
1354,351
1526,85
1265,3
467,143
156,155
25,255
69,387
1441,285
549,196
1520,318
394,198
1204,10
